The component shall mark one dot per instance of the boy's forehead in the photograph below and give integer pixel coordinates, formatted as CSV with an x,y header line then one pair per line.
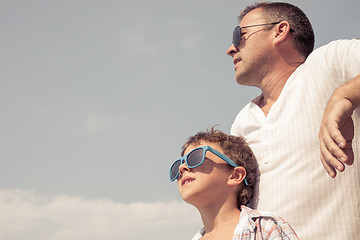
x,y
201,144
193,146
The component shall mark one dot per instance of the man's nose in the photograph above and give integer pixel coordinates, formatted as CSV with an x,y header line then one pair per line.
x,y
232,50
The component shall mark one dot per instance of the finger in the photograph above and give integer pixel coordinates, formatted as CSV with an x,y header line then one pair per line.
x,y
335,134
348,151
332,153
342,134
329,161
338,139
329,169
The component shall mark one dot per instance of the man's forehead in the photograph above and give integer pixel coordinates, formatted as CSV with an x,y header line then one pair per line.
x,y
253,17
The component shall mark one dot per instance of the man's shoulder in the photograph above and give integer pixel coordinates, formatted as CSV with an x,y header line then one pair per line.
x,y
333,55
337,44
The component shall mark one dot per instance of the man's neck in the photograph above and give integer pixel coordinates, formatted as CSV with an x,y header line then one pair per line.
x,y
272,85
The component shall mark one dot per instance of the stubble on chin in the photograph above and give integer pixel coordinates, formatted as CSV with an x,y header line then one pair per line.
x,y
243,79
252,74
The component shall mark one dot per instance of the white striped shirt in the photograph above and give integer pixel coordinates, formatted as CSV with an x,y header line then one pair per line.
x,y
293,182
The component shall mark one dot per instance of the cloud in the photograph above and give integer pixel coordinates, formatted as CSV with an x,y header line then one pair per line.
x,y
26,215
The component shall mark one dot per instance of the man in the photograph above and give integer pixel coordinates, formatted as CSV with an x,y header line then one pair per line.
x,y
308,110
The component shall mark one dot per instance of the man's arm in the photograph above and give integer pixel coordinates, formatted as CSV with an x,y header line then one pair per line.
x,y
337,127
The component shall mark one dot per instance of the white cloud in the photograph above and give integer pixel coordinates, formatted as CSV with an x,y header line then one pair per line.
x,y
25,215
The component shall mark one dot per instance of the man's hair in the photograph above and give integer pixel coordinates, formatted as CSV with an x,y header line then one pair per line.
x,y
237,150
301,29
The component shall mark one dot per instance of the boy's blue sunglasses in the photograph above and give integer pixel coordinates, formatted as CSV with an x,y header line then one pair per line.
x,y
195,158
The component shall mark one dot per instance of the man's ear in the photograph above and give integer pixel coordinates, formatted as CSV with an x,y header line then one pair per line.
x,y
237,176
282,31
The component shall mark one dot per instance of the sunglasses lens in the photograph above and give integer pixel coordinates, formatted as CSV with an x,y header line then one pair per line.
x,y
174,170
236,36
195,157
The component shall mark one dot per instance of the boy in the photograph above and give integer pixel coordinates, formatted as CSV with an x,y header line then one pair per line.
x,y
217,174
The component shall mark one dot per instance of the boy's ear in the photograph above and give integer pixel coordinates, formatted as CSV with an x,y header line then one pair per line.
x,y
237,176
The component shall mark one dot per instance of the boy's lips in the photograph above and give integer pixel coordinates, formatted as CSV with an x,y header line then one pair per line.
x,y
186,180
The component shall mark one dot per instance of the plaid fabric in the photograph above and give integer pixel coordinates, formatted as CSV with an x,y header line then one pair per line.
x,y
259,225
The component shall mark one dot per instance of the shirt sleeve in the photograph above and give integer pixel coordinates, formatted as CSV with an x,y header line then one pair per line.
x,y
341,58
275,228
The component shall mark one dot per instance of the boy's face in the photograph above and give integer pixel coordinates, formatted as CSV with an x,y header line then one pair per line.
x,y
206,182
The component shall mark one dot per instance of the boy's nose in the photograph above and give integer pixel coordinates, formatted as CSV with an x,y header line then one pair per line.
x,y
183,167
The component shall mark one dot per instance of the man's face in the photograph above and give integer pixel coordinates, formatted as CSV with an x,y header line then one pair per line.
x,y
252,57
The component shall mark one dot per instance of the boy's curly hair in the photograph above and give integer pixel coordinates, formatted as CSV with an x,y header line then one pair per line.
x,y
237,150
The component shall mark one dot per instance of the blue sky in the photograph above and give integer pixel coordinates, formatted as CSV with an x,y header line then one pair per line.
x,y
97,98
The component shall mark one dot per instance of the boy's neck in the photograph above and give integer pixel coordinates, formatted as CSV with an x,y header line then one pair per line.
x,y
220,220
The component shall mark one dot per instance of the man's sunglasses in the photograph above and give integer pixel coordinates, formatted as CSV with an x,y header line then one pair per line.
x,y
237,32
195,158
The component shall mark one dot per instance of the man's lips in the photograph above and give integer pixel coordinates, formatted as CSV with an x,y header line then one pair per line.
x,y
186,180
236,60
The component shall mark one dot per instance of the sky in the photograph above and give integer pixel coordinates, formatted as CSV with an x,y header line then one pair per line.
x,y
97,99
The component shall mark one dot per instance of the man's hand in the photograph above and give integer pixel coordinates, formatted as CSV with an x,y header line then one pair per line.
x,y
337,128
